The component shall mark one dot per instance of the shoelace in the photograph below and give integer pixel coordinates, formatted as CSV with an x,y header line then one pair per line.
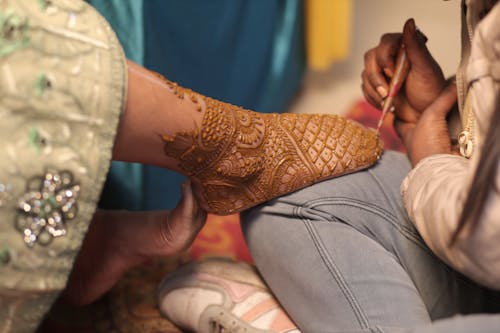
x,y
216,327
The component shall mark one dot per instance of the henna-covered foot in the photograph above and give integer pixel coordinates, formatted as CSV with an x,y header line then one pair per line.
x,y
240,158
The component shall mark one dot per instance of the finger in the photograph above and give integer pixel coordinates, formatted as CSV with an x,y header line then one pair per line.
x,y
373,76
415,43
386,52
369,99
370,94
445,101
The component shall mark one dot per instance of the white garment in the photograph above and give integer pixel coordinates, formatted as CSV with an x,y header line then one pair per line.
x,y
435,190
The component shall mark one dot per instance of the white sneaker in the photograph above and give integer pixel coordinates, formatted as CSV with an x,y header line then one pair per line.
x,y
221,295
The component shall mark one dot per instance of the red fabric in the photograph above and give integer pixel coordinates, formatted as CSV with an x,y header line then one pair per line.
x,y
221,236
367,115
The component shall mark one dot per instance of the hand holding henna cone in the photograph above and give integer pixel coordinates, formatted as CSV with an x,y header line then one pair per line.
x,y
240,158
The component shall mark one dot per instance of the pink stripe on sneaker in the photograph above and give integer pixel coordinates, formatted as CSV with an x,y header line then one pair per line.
x,y
237,291
259,310
282,323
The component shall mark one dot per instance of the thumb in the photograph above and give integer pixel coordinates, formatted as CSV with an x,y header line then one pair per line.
x,y
184,222
414,41
445,101
188,208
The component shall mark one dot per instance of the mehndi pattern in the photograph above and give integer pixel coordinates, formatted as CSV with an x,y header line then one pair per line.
x,y
242,158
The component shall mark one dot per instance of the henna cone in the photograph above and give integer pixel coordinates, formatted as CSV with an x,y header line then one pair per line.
x,y
239,158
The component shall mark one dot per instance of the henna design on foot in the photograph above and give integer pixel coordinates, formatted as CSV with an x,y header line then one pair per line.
x,y
242,158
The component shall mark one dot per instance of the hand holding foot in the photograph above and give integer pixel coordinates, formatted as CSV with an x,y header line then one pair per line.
x,y
120,240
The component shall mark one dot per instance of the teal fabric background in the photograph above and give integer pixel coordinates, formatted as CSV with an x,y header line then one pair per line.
x,y
249,53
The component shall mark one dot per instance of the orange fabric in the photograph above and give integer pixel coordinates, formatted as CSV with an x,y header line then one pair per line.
x,y
221,236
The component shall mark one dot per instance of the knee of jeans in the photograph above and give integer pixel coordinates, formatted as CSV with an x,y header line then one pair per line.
x,y
260,230
252,222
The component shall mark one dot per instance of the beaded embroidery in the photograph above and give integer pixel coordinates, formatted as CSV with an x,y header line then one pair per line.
x,y
50,201
4,194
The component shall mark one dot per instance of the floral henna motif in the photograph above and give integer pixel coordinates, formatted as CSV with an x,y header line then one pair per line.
x,y
242,158
179,91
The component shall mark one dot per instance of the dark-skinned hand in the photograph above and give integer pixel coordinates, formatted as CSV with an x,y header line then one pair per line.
x,y
120,240
430,134
424,82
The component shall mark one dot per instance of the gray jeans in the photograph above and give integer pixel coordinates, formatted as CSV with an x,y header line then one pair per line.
x,y
342,256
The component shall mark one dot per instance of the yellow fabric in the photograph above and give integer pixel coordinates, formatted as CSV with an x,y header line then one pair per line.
x,y
328,24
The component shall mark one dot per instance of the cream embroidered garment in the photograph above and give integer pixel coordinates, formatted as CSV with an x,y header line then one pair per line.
x,y
62,83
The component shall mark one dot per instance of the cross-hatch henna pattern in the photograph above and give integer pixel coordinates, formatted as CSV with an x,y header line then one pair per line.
x,y
243,158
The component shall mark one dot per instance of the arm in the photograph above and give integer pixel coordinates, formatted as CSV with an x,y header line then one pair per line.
x,y
434,194
435,191
436,205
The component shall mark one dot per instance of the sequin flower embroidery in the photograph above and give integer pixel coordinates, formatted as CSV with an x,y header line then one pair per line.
x,y
49,202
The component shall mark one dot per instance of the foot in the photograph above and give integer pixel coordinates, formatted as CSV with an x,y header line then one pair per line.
x,y
220,295
239,158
